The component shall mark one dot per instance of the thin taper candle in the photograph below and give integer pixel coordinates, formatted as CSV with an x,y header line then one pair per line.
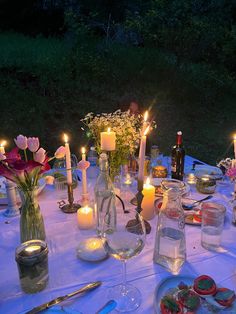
x,y
68,161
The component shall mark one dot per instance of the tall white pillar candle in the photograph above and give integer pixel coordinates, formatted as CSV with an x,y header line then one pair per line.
x,y
108,140
68,161
148,201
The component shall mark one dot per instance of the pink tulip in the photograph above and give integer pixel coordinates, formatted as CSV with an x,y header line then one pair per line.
x,y
40,155
2,156
60,152
33,144
21,141
83,165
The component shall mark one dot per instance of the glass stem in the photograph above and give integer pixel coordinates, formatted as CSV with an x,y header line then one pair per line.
x,y
124,277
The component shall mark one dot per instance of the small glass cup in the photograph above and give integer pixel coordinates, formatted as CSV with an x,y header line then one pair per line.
x,y
60,184
213,215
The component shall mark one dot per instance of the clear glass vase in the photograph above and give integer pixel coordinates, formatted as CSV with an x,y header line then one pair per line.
x,y
31,220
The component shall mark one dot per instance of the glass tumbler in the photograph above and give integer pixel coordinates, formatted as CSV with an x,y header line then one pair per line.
x,y
213,215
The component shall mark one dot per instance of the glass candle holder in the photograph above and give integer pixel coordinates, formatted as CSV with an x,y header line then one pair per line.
x,y
206,184
32,263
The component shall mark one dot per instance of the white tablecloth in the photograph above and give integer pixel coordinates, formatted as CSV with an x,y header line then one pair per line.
x,y
67,273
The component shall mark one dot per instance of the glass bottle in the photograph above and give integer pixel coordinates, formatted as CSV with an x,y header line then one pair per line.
x,y
177,158
104,197
170,246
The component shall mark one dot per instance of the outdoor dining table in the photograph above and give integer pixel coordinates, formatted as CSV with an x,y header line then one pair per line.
x,y
68,273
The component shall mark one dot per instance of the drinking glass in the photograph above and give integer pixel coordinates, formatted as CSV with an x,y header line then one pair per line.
x,y
123,242
212,225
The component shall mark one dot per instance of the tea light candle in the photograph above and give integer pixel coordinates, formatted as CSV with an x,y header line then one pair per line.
x,y
2,148
33,249
128,180
92,250
108,140
68,161
191,179
85,217
148,201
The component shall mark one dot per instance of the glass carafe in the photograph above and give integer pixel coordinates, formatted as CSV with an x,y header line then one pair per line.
x,y
104,197
170,246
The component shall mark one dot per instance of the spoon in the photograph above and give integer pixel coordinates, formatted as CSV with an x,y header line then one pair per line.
x,y
189,207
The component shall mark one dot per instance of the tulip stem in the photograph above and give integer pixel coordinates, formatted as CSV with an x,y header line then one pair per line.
x,y
26,159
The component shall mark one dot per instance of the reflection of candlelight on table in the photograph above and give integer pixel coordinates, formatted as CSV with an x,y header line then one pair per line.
x,y
85,217
33,249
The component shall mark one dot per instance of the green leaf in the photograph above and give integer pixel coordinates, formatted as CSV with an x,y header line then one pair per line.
x,y
205,284
170,304
192,302
224,295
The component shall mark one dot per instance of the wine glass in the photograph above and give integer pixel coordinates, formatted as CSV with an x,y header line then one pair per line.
x,y
124,241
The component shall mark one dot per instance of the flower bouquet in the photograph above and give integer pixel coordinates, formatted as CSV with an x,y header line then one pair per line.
x,y
127,128
25,173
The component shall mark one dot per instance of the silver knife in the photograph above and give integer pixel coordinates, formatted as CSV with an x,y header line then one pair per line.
x,y
53,302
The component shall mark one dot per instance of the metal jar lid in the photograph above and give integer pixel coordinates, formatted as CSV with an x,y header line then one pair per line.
x,y
26,258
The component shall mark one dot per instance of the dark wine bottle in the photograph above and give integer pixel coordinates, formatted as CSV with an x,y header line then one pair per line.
x,y
177,158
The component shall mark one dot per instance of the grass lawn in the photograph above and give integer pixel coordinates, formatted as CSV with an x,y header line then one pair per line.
x,y
46,87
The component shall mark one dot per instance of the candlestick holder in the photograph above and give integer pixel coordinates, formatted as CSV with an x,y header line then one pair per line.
x,y
139,197
12,207
71,207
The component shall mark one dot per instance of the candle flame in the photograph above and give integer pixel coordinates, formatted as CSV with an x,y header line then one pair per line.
x,y
3,143
65,138
109,130
146,130
234,137
83,150
145,116
147,181
86,210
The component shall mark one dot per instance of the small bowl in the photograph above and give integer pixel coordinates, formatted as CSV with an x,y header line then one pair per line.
x,y
167,184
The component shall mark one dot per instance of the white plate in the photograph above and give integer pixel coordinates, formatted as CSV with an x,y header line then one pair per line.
x,y
3,195
169,283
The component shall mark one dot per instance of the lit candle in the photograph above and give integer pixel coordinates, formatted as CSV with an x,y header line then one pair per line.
x,y
33,249
108,140
235,146
142,151
92,250
85,217
2,148
191,179
128,180
84,174
148,201
68,161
